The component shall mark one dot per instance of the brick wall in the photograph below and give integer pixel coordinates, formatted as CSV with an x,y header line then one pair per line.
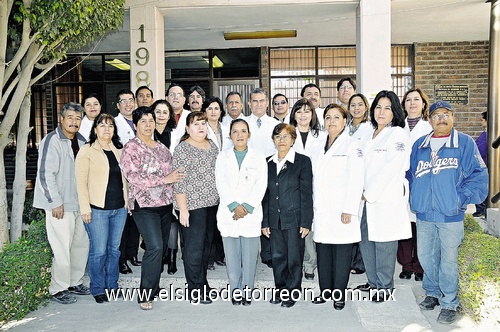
x,y
456,63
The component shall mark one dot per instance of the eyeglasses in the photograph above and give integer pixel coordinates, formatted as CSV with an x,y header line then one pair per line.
x,y
443,116
175,94
126,101
276,103
285,137
346,87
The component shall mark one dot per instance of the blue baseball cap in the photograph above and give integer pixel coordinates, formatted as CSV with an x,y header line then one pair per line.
x,y
440,104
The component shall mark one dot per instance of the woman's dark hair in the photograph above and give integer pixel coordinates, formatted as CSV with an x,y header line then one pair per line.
x,y
192,117
284,126
365,101
171,115
425,101
140,111
314,124
341,109
398,119
91,95
238,121
211,100
105,118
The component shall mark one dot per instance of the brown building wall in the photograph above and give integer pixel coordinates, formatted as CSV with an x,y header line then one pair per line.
x,y
456,63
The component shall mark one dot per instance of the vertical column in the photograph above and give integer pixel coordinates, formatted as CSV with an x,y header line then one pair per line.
x,y
147,50
494,113
373,47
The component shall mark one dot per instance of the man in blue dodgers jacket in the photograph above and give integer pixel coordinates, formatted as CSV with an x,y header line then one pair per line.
x,y
448,173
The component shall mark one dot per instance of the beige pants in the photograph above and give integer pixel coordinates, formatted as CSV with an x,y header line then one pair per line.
x,y
70,248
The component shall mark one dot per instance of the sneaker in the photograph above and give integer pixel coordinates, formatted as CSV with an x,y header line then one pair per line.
x,y
447,316
79,290
64,297
429,303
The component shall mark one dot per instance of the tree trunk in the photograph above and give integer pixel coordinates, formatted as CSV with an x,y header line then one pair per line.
x,y
19,185
4,226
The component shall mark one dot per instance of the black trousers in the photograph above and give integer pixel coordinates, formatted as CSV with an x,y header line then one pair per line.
x,y
356,258
287,252
154,225
129,245
217,248
265,248
334,265
198,239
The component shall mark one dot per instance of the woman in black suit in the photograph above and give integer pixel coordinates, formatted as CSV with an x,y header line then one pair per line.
x,y
288,213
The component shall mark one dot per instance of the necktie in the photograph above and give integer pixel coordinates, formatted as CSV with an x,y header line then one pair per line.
x,y
259,122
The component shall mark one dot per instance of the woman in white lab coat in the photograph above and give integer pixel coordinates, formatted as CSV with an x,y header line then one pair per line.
x,y
338,172
241,178
385,215
416,105
309,134
217,132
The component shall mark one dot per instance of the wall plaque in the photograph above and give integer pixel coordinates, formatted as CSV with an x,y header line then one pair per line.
x,y
452,93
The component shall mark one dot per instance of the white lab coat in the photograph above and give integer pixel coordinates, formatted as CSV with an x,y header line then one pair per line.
x,y
337,187
387,157
311,142
226,139
364,131
422,128
242,185
180,130
124,130
86,127
262,137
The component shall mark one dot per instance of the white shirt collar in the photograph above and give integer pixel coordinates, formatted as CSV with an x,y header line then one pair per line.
x,y
290,156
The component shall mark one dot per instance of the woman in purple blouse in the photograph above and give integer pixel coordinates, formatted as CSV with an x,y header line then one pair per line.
x,y
147,166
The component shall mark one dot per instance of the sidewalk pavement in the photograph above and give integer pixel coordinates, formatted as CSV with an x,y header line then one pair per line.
x,y
403,314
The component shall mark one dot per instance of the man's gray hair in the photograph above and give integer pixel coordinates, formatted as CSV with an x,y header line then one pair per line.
x,y
71,106
258,90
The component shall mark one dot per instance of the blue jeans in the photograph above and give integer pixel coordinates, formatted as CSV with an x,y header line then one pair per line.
x,y
438,244
105,233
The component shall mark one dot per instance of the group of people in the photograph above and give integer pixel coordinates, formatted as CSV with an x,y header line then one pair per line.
x,y
344,189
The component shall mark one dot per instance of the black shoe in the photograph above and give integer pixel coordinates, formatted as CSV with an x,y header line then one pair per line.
x,y
477,214
288,304
269,263
338,305
235,302
275,300
143,245
124,268
246,302
429,303
101,298
357,271
309,276
318,300
379,297
203,300
220,262
79,290
211,267
64,297
172,267
447,316
134,261
419,276
405,275
364,287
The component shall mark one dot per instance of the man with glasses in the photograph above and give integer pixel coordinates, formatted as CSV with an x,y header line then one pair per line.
x,y
261,127
125,102
129,245
196,98
346,87
280,108
448,173
312,92
234,108
176,99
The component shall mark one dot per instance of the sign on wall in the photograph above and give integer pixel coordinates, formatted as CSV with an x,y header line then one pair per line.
x,y
452,93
